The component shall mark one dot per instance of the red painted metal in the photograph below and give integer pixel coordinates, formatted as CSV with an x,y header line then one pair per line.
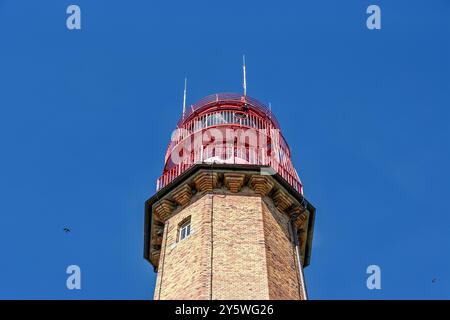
x,y
223,112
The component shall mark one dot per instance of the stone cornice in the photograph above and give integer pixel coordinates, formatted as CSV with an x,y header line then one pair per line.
x,y
208,179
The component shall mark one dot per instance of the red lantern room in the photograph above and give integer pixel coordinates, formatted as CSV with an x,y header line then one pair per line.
x,y
228,128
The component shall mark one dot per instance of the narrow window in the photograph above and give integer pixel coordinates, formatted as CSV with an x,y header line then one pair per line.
x,y
185,229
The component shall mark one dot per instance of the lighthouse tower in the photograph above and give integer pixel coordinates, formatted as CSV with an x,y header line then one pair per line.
x,y
228,219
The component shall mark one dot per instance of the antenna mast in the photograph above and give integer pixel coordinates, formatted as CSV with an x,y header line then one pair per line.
x,y
184,97
245,76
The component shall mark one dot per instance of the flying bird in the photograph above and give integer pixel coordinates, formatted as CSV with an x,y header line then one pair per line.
x,y
434,280
66,230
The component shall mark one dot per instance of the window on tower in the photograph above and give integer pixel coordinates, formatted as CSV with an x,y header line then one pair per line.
x,y
184,229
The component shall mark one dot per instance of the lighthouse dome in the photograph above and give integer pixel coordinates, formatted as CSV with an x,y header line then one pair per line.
x,y
228,128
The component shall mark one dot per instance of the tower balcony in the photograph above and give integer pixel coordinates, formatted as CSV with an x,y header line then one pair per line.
x,y
240,155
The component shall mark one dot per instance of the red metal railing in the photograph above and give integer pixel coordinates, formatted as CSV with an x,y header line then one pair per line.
x,y
231,155
197,123
233,98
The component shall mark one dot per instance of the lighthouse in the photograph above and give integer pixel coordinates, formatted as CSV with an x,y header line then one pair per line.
x,y
229,219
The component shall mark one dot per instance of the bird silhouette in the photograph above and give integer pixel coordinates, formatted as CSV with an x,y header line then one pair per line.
x,y
66,230
434,280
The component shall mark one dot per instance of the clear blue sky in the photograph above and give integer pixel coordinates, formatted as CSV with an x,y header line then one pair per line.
x,y
86,117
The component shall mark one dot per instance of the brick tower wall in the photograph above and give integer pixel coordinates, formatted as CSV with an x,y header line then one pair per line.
x,y
249,255
239,257
184,267
282,267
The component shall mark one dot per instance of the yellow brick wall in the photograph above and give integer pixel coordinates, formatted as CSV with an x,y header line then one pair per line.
x,y
281,262
249,254
184,267
239,262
